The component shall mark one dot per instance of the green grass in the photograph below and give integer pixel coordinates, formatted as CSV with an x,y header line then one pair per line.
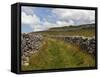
x,y
88,32
55,54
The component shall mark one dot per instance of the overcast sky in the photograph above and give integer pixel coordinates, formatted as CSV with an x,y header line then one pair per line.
x,y
40,18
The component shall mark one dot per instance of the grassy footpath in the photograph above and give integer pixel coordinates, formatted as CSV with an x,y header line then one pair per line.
x,y
57,54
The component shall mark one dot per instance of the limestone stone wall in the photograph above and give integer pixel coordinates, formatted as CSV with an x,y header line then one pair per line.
x,y
85,43
30,43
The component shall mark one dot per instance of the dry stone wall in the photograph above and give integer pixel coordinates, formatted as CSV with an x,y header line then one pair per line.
x,y
30,43
85,43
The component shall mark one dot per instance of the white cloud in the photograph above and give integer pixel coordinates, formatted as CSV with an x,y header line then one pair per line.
x,y
29,19
32,20
64,23
75,16
28,10
47,24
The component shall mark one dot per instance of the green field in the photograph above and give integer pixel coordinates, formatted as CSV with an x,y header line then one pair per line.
x,y
55,54
87,32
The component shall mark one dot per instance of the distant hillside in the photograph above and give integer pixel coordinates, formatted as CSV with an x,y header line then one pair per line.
x,y
72,27
87,30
